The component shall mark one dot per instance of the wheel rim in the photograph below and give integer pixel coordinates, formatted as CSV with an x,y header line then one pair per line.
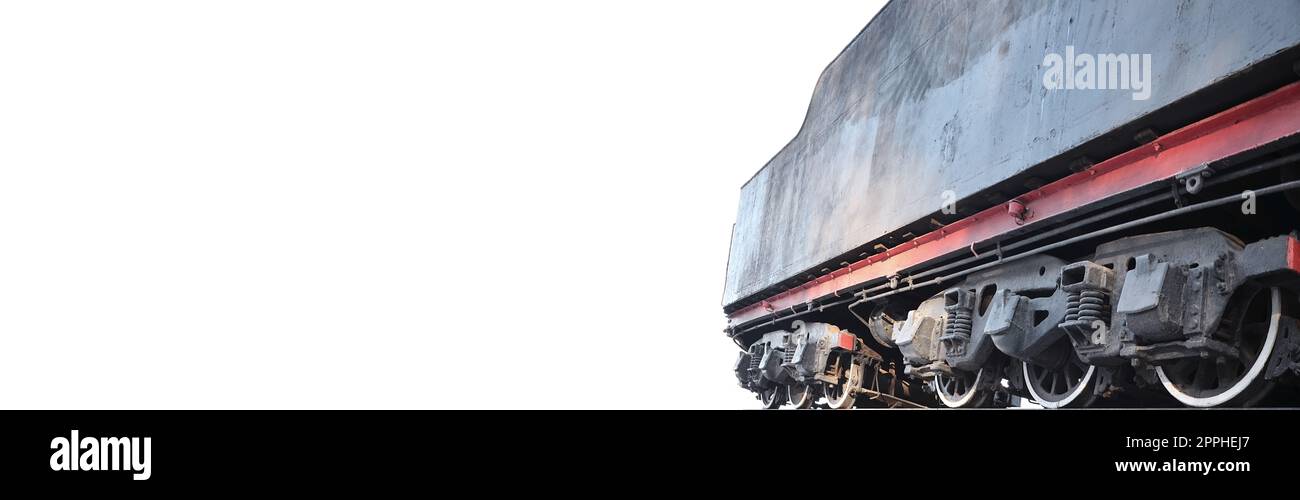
x,y
1206,382
772,398
840,394
800,395
1061,385
957,390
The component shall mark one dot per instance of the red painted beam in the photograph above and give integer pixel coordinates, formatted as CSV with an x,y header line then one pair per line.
x,y
1244,127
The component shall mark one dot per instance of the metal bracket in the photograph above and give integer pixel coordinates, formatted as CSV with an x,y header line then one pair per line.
x,y
1194,179
1019,210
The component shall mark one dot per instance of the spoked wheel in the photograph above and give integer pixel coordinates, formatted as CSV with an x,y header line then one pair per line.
x,y
772,397
1216,381
800,395
961,389
1065,382
848,378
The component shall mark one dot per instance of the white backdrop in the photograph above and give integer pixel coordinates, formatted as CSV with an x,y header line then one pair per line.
x,y
324,204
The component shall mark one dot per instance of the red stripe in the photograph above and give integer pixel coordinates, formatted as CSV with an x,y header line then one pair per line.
x,y
1293,254
1244,127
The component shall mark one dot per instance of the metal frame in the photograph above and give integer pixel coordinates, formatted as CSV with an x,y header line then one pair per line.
x,y
1245,127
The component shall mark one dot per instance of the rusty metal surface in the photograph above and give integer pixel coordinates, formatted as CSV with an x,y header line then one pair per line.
x,y
947,95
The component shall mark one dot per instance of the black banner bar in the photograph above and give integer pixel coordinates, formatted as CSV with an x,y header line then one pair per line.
x,y
327,448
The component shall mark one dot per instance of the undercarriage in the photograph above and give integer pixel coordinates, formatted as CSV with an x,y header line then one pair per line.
x,y
1176,298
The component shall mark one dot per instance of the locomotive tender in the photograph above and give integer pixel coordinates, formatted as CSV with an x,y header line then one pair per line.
x,y
981,208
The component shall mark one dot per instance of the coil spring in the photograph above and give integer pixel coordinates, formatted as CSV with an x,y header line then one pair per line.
x,y
959,323
1072,306
1093,307
755,357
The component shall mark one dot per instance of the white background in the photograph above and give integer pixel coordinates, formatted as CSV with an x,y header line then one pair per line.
x,y
322,204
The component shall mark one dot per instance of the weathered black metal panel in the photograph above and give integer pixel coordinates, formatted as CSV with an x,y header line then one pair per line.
x,y
939,95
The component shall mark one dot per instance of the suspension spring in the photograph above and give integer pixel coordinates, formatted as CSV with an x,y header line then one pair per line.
x,y
1072,306
959,323
1093,307
956,333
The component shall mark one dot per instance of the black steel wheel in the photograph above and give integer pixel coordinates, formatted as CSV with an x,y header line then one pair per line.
x,y
1065,381
1231,380
961,389
800,396
772,397
847,374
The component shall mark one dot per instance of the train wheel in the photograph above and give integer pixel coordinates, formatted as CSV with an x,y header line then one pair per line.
x,y
1067,383
1206,382
800,395
961,389
772,397
841,394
